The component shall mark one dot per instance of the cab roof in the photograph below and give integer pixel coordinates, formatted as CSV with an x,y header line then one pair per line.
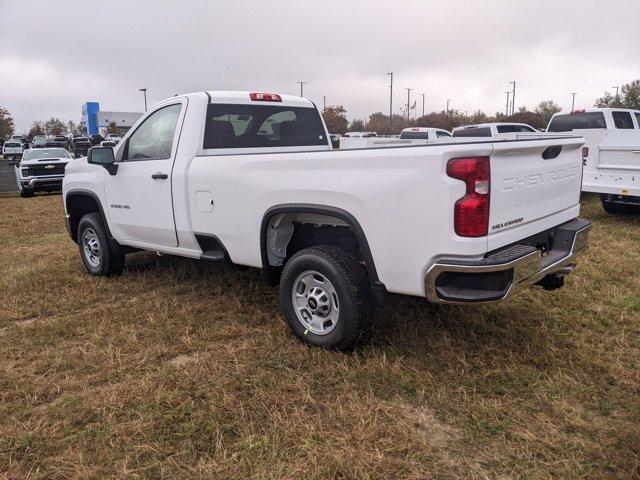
x,y
244,97
597,109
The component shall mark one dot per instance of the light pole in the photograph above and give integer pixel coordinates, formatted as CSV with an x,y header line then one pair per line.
x,y
506,110
324,102
616,92
423,95
448,102
408,102
144,91
513,98
390,103
573,100
302,84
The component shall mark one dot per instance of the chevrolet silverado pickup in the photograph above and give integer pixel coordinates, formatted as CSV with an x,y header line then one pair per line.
x,y
611,153
251,179
41,170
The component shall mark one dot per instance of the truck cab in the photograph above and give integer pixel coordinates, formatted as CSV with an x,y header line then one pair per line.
x,y
493,130
424,133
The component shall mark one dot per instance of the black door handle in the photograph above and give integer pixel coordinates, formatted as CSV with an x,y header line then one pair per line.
x,y
162,176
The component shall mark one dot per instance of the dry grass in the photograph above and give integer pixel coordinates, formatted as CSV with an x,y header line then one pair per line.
x,y
184,369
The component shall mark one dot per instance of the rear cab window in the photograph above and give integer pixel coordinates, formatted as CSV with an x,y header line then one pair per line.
x,y
250,126
473,132
577,121
414,135
622,120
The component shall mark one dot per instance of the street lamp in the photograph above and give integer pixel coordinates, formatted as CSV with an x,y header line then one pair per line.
x,y
573,100
506,110
448,102
423,95
390,102
513,98
144,91
408,102
324,102
302,84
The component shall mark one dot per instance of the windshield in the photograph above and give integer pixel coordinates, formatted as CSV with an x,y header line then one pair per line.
x,y
45,153
415,135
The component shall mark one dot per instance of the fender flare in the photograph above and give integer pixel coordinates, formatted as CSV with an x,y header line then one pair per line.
x,y
86,193
343,215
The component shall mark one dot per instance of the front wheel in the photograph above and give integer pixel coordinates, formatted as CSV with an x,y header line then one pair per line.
x,y
100,255
325,297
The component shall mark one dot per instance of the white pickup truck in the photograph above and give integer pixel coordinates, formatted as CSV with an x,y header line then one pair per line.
x,y
611,152
251,179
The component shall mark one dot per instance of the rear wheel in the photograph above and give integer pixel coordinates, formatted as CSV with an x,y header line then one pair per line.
x,y
325,297
100,255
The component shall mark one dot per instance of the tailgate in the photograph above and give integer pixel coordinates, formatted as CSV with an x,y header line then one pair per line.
x,y
619,158
535,185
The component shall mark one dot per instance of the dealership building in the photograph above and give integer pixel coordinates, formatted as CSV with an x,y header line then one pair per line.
x,y
98,120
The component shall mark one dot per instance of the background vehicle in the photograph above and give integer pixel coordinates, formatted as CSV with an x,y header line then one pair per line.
x,y
42,170
491,129
12,150
80,146
95,139
59,141
423,133
108,143
360,134
251,179
611,152
113,137
39,141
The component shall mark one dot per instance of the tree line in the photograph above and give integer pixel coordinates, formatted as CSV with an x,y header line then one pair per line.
x,y
336,120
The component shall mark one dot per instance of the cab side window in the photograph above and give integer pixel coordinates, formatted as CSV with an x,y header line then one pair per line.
x,y
442,134
153,139
622,120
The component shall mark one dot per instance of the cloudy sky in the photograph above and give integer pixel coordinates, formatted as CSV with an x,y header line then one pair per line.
x,y
55,55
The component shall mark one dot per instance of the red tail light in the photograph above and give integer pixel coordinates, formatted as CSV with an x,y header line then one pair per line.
x,y
265,97
471,214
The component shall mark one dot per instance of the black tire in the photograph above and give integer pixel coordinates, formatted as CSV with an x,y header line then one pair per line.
x,y
110,260
26,194
349,280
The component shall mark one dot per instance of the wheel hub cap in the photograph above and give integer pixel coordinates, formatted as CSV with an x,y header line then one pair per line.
x,y
91,247
316,302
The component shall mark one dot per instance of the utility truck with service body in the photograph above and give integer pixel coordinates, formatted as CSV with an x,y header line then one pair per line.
x,y
251,179
611,152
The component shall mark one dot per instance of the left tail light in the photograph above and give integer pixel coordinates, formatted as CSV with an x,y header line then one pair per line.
x,y
471,212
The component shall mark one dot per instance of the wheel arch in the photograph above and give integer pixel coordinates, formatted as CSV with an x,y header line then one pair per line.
x,y
327,210
77,204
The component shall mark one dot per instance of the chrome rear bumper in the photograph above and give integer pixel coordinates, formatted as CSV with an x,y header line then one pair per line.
x,y
503,273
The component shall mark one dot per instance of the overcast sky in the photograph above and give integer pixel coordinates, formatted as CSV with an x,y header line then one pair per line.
x,y
55,55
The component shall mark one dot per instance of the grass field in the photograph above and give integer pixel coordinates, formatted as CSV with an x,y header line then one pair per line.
x,y
183,369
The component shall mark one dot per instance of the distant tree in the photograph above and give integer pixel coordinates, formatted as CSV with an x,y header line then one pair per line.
x,y
445,119
379,122
479,117
36,129
546,109
335,118
629,97
356,126
72,127
82,127
55,126
6,123
112,127
536,120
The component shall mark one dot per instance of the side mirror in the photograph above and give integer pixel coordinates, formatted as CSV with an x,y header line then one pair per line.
x,y
103,156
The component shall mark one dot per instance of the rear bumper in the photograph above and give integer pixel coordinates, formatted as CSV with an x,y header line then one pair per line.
x,y
501,274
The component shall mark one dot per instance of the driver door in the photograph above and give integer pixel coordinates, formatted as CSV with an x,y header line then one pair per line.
x,y
139,201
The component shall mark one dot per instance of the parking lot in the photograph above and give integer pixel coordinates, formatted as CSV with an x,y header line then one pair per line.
x,y
185,368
